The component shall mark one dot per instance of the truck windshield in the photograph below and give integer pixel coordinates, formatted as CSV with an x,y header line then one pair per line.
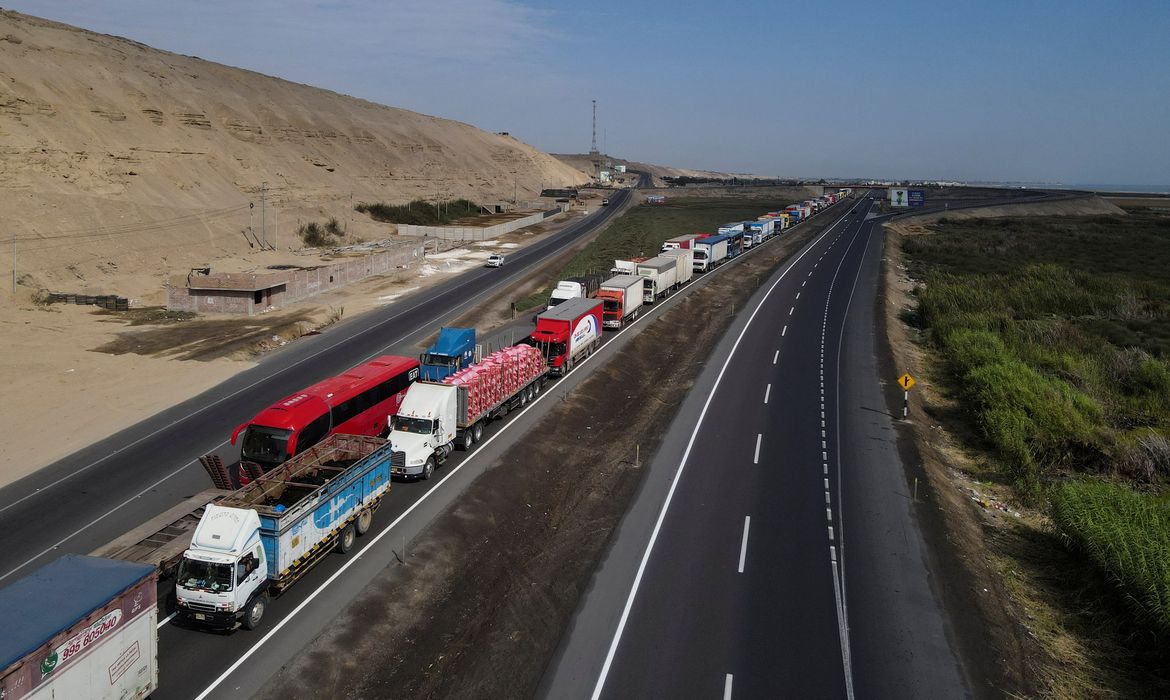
x,y
440,360
204,574
265,445
553,301
612,305
424,426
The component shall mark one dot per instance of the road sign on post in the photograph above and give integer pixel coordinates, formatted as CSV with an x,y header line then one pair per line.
x,y
916,198
906,381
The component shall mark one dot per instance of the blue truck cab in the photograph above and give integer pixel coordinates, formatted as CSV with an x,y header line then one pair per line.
x,y
452,351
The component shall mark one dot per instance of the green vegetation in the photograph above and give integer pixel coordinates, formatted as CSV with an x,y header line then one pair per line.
x,y
1055,336
642,229
317,236
420,212
1127,535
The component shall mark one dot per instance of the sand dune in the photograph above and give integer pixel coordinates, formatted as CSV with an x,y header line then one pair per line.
x,y
120,163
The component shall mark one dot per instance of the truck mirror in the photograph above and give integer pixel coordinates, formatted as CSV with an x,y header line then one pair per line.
x,y
237,431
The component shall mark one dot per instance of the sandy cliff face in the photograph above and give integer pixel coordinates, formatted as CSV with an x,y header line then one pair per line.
x,y
119,162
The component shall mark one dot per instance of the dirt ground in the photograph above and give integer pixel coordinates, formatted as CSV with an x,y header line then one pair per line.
x,y
1030,616
99,371
493,582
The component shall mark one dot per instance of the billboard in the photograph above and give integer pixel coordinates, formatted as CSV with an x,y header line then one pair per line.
x,y
898,197
917,198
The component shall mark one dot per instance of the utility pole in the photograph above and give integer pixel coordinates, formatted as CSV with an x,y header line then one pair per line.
x,y
14,265
276,217
263,228
593,149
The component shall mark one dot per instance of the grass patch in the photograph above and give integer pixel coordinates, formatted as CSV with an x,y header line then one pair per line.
x,y
642,229
420,212
317,235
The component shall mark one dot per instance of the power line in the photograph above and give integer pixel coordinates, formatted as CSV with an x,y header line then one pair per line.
x,y
138,227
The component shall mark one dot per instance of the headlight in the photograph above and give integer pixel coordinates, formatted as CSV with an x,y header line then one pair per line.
x,y
416,462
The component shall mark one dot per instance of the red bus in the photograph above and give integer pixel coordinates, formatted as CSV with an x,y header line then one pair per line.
x,y
356,403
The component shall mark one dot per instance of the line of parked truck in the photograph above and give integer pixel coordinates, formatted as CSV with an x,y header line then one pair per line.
x,y
86,626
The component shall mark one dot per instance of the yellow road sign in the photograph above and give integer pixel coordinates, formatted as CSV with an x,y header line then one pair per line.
x,y
906,381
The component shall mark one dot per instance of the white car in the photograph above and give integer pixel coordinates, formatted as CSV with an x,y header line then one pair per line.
x,y
495,260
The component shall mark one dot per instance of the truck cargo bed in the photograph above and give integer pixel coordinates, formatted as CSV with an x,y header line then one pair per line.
x,y
162,540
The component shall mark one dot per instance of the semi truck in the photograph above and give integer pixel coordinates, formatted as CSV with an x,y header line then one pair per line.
x,y
660,276
684,241
568,333
438,417
761,231
685,268
581,287
733,227
257,541
621,297
453,350
80,627
710,253
628,266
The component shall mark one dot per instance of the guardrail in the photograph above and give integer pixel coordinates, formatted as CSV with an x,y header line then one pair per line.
x,y
477,233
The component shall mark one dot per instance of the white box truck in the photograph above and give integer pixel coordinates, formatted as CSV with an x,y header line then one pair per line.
x,y
710,253
686,263
622,297
660,277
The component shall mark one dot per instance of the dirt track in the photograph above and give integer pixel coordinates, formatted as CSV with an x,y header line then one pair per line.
x,y
493,582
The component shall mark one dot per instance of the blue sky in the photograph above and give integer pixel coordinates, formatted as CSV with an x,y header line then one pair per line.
x,y
1035,90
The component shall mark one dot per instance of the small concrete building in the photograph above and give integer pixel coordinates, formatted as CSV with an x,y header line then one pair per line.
x,y
227,292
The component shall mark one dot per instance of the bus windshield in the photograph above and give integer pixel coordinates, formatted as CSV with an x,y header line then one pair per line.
x,y
204,574
265,445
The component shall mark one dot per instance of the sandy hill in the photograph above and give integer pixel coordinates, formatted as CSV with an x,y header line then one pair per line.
x,y
585,162
120,162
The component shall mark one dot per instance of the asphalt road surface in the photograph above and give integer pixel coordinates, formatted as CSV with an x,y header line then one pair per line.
x,y
773,551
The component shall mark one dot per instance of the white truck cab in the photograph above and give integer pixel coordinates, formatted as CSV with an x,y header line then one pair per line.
x,y
223,575
424,429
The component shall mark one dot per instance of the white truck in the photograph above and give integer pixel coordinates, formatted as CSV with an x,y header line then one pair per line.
x,y
437,417
686,263
257,541
661,276
710,253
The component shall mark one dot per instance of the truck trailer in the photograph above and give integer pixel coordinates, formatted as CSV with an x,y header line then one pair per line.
x,y
627,267
568,333
660,276
684,241
437,418
685,269
80,627
621,297
259,540
581,287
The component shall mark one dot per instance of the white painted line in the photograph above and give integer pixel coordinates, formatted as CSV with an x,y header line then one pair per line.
x,y
767,393
827,499
163,623
804,283
727,687
783,331
759,438
829,514
824,445
747,523
826,484
833,553
830,533
826,468
810,273
791,309
824,455
625,616
776,357
798,295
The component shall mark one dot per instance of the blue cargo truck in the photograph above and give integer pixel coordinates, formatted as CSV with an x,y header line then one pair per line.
x,y
453,350
259,540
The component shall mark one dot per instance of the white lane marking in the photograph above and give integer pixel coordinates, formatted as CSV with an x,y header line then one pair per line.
x,y
829,514
810,273
646,555
791,309
747,523
827,499
776,357
783,331
804,283
727,687
830,533
625,616
165,620
798,295
826,484
767,393
759,439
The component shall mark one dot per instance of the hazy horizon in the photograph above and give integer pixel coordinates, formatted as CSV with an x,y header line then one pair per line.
x,y
991,92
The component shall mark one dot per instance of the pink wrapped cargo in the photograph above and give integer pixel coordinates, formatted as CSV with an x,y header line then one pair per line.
x,y
497,378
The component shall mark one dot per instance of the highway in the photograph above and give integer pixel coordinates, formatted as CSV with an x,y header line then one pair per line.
x,y
773,550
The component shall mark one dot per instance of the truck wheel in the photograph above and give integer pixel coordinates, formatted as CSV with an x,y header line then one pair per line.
x,y
364,520
523,397
255,612
466,441
428,468
478,432
348,535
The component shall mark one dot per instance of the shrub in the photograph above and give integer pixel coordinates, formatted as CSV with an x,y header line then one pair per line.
x,y
420,212
316,235
1126,534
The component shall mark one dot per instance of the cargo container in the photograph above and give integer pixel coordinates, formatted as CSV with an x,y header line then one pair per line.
x,y
453,350
733,227
567,334
661,276
685,269
436,418
684,241
621,297
710,253
80,627
761,230
259,540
